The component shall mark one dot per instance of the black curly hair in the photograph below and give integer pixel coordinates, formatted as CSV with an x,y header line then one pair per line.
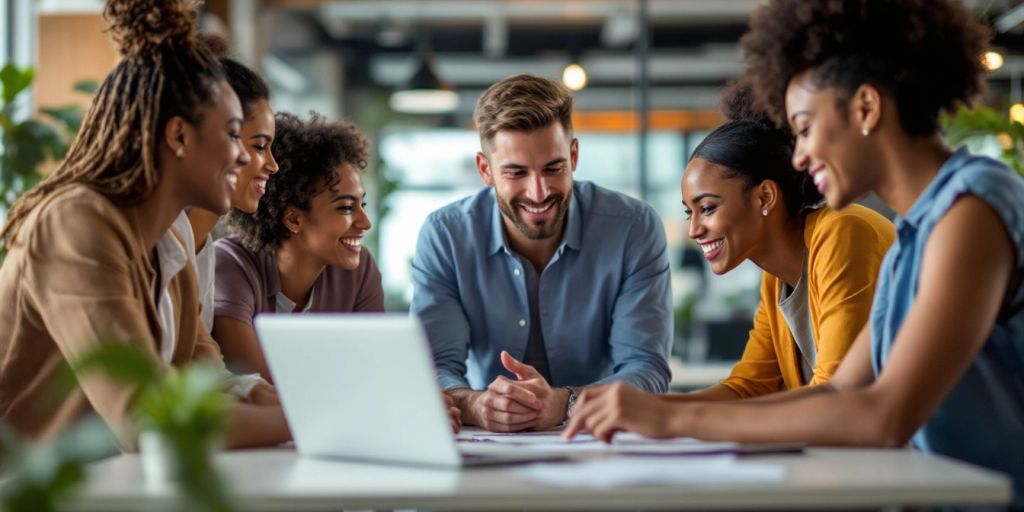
x,y
924,53
307,153
248,84
751,148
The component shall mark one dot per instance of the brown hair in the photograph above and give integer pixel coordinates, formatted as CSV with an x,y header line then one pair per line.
x,y
165,72
522,103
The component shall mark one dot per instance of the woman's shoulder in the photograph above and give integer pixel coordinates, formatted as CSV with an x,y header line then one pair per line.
x,y
231,244
77,214
989,180
231,252
358,289
854,223
367,268
82,201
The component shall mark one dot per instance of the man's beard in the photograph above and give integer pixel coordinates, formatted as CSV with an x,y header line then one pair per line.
x,y
543,230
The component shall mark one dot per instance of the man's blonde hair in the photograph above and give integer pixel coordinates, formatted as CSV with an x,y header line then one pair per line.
x,y
522,103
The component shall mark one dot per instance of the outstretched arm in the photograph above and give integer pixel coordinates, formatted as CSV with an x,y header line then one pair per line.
x,y
961,288
256,425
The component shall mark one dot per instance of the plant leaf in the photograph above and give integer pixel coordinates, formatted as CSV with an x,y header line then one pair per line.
x,y
70,116
86,86
15,80
121,361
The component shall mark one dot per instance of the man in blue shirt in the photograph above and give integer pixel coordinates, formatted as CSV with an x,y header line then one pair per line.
x,y
570,278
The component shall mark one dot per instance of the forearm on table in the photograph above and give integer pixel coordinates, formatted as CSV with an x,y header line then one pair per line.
x,y
716,393
794,394
810,415
464,398
254,425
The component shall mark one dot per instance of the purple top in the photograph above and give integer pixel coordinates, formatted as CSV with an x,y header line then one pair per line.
x,y
248,284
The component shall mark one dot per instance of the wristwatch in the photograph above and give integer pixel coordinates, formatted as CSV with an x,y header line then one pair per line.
x,y
573,395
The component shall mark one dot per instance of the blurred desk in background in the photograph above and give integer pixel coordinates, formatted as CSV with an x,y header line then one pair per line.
x,y
693,376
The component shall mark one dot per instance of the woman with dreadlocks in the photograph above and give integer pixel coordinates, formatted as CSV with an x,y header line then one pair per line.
x,y
91,258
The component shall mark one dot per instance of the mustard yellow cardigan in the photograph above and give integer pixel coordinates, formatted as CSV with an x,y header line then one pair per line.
x,y
844,251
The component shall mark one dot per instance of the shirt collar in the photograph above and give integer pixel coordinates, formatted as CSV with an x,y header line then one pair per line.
x,y
924,202
286,305
571,238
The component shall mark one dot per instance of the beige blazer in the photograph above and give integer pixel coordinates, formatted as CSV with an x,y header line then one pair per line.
x,y
76,275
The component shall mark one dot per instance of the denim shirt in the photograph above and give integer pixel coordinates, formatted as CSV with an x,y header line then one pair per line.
x,y
982,419
605,297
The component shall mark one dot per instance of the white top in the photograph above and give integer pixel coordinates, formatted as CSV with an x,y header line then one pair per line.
x,y
171,259
205,263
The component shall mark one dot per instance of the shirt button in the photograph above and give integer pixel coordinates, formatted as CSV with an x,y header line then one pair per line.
x,y
522,323
516,272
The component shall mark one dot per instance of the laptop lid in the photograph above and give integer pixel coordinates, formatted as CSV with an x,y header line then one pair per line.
x,y
358,386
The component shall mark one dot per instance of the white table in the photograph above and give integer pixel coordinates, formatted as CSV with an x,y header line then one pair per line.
x,y
278,479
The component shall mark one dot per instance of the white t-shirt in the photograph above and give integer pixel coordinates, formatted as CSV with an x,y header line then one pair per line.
x,y
205,263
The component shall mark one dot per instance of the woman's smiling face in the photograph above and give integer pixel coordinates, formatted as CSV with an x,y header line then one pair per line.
x,y
830,146
723,213
333,228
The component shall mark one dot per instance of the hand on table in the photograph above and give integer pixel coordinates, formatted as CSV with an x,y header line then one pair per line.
x,y
263,394
605,410
500,413
454,413
531,391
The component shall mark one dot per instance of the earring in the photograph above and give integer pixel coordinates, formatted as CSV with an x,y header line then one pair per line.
x,y
764,213
180,152
865,131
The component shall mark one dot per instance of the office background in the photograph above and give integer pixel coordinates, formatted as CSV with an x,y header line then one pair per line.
x,y
667,58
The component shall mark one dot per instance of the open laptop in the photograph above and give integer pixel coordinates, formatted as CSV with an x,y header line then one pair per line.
x,y
363,386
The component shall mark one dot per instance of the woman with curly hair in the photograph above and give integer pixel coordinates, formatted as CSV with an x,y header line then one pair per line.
x,y
744,201
301,251
91,258
941,364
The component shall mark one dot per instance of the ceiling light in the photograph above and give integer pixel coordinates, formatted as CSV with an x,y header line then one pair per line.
x,y
425,93
574,77
992,60
1017,113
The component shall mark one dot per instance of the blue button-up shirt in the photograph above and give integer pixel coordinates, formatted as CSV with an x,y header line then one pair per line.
x,y
605,297
982,418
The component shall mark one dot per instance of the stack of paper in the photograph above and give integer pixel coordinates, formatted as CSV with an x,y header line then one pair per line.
x,y
623,444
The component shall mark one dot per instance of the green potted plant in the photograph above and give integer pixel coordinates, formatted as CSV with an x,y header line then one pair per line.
x,y
40,477
181,415
988,132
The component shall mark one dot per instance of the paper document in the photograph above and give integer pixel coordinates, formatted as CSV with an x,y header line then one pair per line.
x,y
623,443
